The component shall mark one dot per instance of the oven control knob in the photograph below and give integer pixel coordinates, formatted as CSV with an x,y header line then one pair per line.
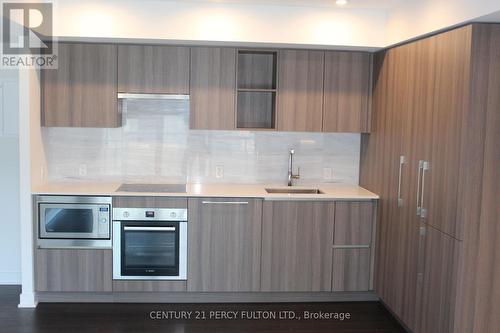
x,y
173,214
126,214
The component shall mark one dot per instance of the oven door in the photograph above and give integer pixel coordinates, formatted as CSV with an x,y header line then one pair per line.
x,y
154,250
73,221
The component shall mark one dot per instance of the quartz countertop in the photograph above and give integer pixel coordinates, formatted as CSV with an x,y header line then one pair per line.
x,y
329,191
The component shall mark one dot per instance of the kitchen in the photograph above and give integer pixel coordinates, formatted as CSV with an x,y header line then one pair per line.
x,y
196,174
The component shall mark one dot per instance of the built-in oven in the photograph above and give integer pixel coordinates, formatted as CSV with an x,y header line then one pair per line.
x,y
149,244
73,221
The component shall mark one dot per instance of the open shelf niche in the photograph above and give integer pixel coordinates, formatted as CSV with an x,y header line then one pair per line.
x,y
256,97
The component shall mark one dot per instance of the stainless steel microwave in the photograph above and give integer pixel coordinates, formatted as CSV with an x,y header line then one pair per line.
x,y
74,221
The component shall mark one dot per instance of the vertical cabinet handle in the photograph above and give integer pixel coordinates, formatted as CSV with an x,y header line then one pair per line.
x,y
423,211
420,163
402,161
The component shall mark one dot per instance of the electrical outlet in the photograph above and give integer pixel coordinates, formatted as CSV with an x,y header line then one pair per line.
x,y
219,171
82,170
327,173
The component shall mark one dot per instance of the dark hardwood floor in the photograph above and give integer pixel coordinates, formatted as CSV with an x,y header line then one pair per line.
x,y
367,317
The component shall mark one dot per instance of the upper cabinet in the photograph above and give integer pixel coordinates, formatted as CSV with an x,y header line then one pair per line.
x,y
153,69
256,98
283,90
347,92
300,90
82,91
213,88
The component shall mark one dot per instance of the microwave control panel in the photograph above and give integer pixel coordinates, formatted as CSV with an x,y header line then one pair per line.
x,y
103,221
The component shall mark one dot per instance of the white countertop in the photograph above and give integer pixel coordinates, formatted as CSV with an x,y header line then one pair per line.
x,y
330,191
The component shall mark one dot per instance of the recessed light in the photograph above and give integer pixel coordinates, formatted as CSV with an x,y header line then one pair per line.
x,y
341,2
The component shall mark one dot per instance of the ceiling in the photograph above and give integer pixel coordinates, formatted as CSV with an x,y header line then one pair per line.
x,y
368,4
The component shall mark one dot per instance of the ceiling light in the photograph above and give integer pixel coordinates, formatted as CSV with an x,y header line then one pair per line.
x,y
341,2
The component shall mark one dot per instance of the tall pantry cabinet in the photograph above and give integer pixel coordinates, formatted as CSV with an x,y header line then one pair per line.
x,y
432,157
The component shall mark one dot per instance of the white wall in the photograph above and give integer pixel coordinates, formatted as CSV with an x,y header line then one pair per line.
x,y
309,25
227,22
10,257
410,19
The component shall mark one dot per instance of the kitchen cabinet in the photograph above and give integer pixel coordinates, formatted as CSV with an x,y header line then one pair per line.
x,y
75,270
149,202
297,239
432,106
347,92
149,286
353,223
212,88
82,91
353,245
256,96
351,269
224,244
300,90
438,275
153,69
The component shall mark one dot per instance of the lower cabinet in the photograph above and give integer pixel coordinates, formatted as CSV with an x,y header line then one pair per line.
x,y
317,246
73,270
244,245
297,239
148,286
224,244
351,269
353,246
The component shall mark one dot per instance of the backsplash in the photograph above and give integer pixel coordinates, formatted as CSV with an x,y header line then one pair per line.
x,y
156,145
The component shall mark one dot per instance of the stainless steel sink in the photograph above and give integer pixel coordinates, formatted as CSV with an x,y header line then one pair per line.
x,y
294,191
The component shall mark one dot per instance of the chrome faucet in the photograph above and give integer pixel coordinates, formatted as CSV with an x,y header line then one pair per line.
x,y
291,176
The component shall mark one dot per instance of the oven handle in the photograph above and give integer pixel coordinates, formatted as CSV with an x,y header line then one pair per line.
x,y
149,228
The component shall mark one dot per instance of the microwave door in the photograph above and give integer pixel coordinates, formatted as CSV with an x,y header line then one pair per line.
x,y
68,221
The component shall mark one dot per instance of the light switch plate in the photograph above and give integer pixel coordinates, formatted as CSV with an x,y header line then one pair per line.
x,y
219,171
82,170
327,173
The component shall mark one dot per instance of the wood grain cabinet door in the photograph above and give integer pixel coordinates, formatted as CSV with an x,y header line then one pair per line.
x,y
212,88
351,269
347,92
297,240
353,223
441,134
224,244
82,91
353,247
300,90
153,69
73,270
436,303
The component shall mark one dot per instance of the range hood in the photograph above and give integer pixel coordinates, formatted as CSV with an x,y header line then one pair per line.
x,y
151,96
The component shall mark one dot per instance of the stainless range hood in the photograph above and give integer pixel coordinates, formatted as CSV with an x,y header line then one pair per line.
x,y
151,96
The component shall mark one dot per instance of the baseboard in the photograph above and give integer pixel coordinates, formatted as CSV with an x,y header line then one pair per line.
x,y
10,278
184,297
27,300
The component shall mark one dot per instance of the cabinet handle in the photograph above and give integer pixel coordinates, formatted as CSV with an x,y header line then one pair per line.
x,y
225,202
423,211
402,161
420,163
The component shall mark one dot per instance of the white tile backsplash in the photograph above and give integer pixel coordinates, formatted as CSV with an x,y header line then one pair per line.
x,y
156,145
